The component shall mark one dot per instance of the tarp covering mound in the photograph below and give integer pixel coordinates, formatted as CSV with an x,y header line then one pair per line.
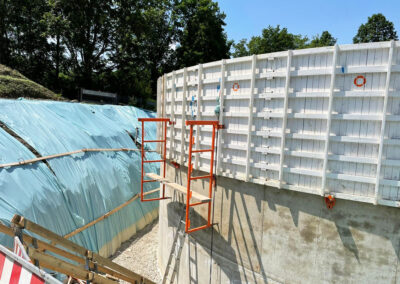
x,y
69,192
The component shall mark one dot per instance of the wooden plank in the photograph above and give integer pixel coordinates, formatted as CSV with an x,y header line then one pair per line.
x,y
43,246
35,160
178,187
136,196
58,240
64,267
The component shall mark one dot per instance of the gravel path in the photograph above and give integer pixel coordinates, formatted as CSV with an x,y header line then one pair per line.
x,y
139,253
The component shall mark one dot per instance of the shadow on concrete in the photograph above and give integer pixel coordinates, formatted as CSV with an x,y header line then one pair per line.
x,y
240,211
202,238
346,215
221,240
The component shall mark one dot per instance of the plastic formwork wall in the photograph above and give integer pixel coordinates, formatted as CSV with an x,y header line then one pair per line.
x,y
322,120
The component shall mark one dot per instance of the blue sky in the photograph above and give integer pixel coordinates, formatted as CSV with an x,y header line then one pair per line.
x,y
341,18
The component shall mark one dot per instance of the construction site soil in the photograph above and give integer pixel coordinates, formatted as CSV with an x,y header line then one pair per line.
x,y
139,253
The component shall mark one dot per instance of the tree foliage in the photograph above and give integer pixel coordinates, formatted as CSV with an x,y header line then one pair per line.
x,y
326,39
378,28
123,46
240,49
200,34
275,39
272,39
120,46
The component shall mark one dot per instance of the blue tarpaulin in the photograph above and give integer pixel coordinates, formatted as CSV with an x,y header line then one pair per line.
x,y
71,191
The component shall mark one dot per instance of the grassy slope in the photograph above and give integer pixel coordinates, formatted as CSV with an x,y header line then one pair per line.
x,y
15,85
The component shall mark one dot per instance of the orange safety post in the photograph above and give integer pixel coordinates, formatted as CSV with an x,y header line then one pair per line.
x,y
143,155
216,126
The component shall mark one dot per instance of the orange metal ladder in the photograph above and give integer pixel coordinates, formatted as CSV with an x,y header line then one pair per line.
x,y
215,124
203,200
143,155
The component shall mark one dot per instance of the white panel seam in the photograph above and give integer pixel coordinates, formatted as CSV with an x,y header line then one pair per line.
x,y
198,117
284,120
221,115
384,114
328,124
172,130
183,118
250,118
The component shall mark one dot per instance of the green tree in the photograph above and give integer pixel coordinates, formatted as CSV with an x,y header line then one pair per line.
x,y
57,26
275,39
201,37
26,40
240,49
326,39
378,28
88,37
141,49
6,16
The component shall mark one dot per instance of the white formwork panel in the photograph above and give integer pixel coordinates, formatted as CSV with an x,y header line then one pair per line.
x,y
307,124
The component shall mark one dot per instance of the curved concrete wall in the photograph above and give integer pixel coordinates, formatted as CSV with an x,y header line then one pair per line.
x,y
269,235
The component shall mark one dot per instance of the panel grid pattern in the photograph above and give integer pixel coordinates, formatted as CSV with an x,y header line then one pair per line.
x,y
314,126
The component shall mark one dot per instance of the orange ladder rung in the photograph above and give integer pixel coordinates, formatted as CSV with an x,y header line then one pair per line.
x,y
200,177
202,151
215,124
154,141
198,228
154,161
143,156
198,203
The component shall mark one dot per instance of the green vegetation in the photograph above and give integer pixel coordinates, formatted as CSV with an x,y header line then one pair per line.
x,y
276,38
123,46
272,39
376,29
120,46
14,85
200,33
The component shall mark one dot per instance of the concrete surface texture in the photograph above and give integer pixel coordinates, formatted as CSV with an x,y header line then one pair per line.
x,y
267,235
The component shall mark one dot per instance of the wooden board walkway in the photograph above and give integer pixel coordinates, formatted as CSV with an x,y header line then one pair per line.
x,y
178,187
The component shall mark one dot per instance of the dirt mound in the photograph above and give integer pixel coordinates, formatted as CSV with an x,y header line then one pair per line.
x,y
15,85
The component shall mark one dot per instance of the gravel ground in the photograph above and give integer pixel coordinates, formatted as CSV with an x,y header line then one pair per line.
x,y
139,253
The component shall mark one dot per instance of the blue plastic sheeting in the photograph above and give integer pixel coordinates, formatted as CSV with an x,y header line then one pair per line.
x,y
78,188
